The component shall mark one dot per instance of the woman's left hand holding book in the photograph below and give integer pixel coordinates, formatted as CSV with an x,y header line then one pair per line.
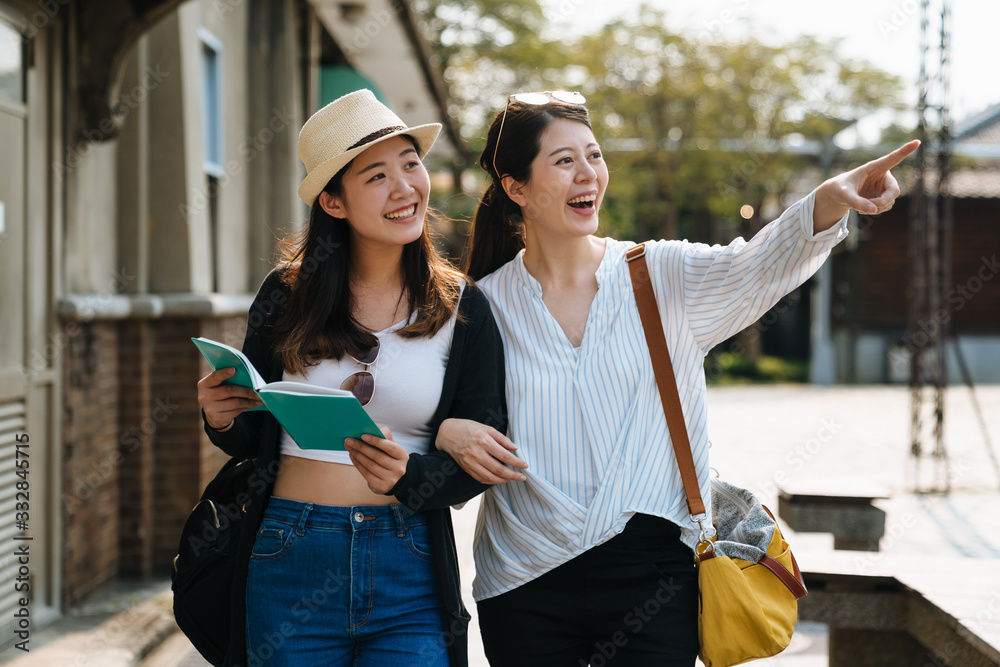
x,y
379,460
222,403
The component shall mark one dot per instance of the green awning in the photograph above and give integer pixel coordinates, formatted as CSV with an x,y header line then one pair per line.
x,y
338,80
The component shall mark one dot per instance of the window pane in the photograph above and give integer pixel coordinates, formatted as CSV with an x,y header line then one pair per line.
x,y
11,75
211,99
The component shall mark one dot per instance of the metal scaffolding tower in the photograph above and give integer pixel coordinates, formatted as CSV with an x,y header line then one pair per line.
x,y
930,254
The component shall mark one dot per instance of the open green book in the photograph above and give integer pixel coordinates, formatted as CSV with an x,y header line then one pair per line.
x,y
316,417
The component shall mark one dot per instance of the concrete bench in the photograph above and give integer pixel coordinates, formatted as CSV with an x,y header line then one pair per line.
x,y
904,611
841,507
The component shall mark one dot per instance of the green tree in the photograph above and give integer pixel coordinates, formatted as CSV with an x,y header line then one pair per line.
x,y
692,131
695,131
485,48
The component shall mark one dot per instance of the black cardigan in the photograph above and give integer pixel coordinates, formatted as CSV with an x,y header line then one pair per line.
x,y
473,389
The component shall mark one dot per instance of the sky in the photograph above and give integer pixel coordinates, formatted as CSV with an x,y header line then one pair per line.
x,y
884,32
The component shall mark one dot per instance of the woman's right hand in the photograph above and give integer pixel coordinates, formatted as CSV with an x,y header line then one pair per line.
x,y
223,402
482,451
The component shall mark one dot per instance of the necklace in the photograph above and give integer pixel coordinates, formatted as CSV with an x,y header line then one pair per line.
x,y
379,311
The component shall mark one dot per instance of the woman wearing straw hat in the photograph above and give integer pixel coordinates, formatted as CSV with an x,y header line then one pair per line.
x,y
589,561
352,561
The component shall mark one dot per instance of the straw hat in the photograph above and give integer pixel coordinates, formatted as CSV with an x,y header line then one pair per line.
x,y
342,130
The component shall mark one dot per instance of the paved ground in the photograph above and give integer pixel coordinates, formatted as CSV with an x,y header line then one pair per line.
x,y
814,437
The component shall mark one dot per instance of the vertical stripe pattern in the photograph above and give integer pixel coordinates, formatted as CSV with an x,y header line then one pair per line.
x,y
588,420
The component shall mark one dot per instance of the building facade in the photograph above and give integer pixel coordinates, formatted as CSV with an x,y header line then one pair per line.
x,y
150,163
872,277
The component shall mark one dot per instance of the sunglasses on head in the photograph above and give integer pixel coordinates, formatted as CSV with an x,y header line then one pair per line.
x,y
535,99
362,383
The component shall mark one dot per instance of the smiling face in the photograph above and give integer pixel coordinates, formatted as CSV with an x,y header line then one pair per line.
x,y
383,194
563,195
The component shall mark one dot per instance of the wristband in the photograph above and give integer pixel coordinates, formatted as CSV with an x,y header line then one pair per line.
x,y
217,430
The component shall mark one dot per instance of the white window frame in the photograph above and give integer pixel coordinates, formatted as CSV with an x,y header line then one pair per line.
x,y
213,99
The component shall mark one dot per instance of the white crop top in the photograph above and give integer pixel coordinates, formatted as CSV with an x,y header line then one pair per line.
x,y
409,375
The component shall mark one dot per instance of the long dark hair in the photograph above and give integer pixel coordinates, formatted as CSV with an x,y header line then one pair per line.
x,y
497,234
318,322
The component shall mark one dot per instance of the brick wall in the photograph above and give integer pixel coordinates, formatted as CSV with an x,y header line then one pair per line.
x,y
873,288
90,452
231,331
174,372
136,426
135,456
183,457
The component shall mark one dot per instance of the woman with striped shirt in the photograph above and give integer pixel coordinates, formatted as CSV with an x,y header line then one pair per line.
x,y
589,559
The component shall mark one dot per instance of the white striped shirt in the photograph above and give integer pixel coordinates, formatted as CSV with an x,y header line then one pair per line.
x,y
588,420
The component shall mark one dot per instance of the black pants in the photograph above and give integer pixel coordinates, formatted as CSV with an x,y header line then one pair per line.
x,y
629,602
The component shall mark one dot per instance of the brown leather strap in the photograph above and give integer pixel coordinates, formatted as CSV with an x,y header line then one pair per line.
x,y
666,382
793,582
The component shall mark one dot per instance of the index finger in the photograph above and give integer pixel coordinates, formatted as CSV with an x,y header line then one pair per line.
x,y
391,448
889,161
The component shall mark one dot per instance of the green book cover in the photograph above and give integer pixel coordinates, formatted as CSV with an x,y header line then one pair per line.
x,y
316,417
219,355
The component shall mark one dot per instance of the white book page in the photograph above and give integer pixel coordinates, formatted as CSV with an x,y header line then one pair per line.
x,y
258,381
303,388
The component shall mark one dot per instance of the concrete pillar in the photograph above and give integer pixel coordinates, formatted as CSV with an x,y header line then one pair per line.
x,y
876,648
275,116
822,362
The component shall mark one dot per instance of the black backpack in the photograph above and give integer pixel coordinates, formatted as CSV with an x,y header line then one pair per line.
x,y
206,560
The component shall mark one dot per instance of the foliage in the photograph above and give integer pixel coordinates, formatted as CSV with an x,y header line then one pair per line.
x,y
712,122
484,48
726,368
692,131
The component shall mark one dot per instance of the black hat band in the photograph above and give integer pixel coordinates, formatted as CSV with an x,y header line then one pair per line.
x,y
378,134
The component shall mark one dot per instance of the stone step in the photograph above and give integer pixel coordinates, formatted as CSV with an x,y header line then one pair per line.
x,y
123,640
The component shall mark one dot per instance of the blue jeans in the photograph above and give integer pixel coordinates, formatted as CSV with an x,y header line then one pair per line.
x,y
343,586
